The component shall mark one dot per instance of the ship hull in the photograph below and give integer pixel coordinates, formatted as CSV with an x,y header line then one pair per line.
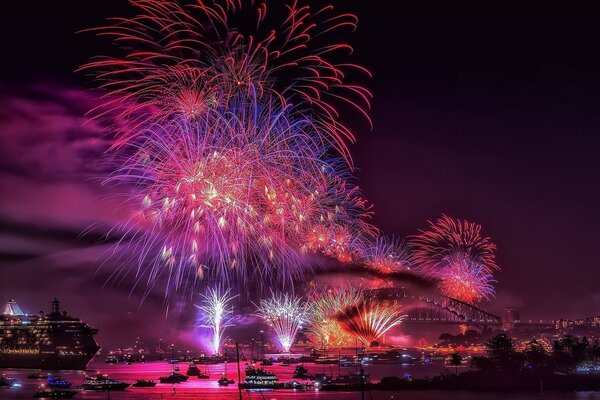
x,y
54,341
51,362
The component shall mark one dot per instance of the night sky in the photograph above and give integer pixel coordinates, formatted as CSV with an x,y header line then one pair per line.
x,y
487,112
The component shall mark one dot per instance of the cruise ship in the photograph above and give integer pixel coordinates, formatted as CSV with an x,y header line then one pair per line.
x,y
51,341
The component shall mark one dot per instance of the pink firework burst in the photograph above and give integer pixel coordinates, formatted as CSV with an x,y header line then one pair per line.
x,y
238,194
447,238
466,281
180,57
456,254
388,255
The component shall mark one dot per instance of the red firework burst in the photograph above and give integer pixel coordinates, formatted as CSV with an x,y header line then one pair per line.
x,y
179,57
456,254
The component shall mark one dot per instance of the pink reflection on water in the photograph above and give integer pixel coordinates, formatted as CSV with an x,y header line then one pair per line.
x,y
205,389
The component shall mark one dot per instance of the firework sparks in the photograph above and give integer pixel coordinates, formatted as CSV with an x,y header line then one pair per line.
x,y
182,57
466,281
324,329
239,193
456,254
388,255
232,139
216,312
285,314
370,319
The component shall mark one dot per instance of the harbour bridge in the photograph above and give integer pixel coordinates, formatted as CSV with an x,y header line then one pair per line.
x,y
432,308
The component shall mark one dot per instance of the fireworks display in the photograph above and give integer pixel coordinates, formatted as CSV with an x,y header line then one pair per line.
x,y
232,139
240,194
465,280
370,319
180,58
228,119
388,255
324,329
285,314
216,312
455,253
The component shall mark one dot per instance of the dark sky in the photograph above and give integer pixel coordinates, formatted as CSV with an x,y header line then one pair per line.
x,y
483,110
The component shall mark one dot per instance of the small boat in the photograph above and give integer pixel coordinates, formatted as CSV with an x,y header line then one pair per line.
x,y
326,360
144,383
39,375
49,393
174,377
322,379
298,386
215,359
102,382
56,382
6,381
259,379
224,381
351,379
192,370
266,363
203,375
300,372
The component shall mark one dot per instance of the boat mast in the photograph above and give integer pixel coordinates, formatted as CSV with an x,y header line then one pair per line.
x,y
237,351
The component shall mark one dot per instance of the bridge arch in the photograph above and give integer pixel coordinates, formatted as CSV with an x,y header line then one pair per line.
x,y
437,308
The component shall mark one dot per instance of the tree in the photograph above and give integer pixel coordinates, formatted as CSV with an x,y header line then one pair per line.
x,y
501,351
455,361
595,351
535,355
580,350
569,351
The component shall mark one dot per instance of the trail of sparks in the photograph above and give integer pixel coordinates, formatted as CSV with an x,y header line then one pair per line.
x,y
228,118
388,255
370,319
240,195
231,135
216,312
456,254
324,329
286,314
181,57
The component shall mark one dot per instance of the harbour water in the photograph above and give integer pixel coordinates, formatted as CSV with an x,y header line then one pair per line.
x,y
208,389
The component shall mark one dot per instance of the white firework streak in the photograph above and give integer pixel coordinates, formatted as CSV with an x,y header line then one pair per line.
x,y
285,314
217,314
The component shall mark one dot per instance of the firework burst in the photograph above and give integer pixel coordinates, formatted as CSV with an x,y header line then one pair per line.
x,y
370,319
456,254
324,329
466,281
238,194
388,255
216,314
182,57
285,314
232,138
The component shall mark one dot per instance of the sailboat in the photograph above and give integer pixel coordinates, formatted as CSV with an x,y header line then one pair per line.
x,y
224,380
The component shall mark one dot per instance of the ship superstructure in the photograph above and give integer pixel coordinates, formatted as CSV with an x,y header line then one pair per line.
x,y
45,341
